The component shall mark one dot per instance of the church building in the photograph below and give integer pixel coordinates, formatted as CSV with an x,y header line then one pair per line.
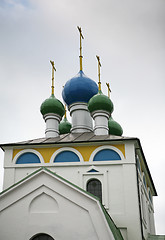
x,y
84,179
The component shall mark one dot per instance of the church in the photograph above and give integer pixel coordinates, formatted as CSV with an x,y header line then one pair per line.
x,y
84,179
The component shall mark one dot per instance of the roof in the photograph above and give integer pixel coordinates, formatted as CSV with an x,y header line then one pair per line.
x,y
70,138
156,237
79,89
116,232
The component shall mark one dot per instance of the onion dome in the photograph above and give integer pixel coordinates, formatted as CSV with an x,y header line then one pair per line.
x,y
79,89
100,102
114,127
64,126
52,105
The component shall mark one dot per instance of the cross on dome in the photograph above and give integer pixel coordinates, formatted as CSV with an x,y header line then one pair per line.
x,y
53,69
99,65
81,37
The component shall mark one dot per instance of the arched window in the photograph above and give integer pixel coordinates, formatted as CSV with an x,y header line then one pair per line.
x,y
42,237
67,156
94,186
106,155
28,157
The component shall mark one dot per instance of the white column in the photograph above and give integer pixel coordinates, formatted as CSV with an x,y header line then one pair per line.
x,y
101,122
52,125
81,118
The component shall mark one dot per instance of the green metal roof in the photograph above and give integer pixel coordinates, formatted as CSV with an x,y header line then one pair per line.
x,y
52,105
156,237
114,127
100,102
64,126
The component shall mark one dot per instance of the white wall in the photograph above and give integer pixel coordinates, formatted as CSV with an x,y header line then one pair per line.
x,y
46,205
119,182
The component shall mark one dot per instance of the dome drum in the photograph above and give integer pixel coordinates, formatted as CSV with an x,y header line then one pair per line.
x,y
100,107
81,118
52,110
52,124
101,122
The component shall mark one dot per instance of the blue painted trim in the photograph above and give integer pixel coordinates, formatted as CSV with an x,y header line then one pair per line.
x,y
106,155
28,158
66,156
93,170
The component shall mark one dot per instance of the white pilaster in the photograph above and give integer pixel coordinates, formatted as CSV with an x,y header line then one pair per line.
x,y
101,122
52,125
81,118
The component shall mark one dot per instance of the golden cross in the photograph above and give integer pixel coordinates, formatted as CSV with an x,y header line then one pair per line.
x,y
109,90
53,69
99,65
81,37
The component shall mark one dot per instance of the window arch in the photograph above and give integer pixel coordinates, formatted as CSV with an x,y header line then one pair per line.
x,y
94,187
28,158
65,155
106,153
42,236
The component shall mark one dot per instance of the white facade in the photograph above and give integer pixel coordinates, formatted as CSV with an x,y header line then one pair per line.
x,y
46,203
122,187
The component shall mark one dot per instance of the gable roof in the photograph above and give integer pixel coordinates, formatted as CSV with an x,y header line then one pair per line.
x,y
115,231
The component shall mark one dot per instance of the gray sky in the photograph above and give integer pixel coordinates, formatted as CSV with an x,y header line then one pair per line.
x,y
129,37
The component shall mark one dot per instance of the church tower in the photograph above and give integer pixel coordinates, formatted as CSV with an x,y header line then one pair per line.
x,y
82,180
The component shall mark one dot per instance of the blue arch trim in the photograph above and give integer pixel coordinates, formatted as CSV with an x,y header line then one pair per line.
x,y
66,156
28,158
106,155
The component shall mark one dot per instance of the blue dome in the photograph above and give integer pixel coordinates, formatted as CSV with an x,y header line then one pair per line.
x,y
79,89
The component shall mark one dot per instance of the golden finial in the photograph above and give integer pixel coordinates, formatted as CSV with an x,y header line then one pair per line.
x,y
81,37
65,109
109,90
53,69
99,65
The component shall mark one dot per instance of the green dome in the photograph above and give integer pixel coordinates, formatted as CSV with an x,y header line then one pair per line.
x,y
64,126
100,102
114,127
52,105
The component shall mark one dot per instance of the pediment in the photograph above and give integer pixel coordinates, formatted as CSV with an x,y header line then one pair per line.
x,y
52,202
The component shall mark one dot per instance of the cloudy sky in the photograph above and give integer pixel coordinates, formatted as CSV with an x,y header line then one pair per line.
x,y
129,37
